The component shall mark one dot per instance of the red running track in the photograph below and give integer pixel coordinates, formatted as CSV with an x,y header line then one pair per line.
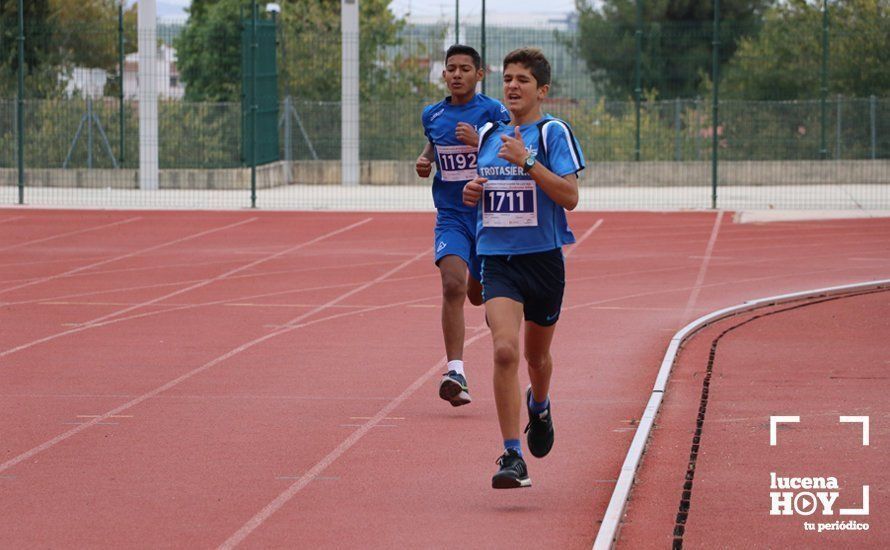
x,y
269,379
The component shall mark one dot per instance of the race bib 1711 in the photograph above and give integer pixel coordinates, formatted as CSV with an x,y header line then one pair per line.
x,y
509,203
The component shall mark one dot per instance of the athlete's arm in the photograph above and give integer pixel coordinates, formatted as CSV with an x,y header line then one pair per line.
x,y
467,134
563,190
424,164
429,152
473,191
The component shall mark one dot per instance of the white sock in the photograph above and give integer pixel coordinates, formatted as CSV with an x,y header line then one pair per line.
x,y
457,366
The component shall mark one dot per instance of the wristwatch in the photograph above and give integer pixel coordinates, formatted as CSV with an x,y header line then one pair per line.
x,y
529,163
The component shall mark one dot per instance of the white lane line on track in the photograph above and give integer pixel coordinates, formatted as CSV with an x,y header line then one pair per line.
x,y
743,261
583,237
190,281
624,308
709,285
234,260
228,301
359,433
69,233
43,262
703,268
115,315
192,397
128,270
368,309
313,473
124,256
293,324
222,276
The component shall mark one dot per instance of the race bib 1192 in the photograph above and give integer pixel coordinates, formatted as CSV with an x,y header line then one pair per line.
x,y
456,162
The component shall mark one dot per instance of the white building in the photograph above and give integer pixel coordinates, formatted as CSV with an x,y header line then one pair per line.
x,y
91,82
168,83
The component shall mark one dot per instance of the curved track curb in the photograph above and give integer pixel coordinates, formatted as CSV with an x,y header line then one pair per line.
x,y
608,530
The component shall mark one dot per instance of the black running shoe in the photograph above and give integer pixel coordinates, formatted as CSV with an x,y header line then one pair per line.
x,y
539,429
512,473
453,388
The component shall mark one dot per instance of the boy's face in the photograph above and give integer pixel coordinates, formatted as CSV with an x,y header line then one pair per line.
x,y
460,74
521,91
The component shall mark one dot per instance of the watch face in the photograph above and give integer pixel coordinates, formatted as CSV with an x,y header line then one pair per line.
x,y
529,163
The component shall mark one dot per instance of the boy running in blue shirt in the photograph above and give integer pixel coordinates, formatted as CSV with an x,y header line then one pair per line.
x,y
451,130
527,180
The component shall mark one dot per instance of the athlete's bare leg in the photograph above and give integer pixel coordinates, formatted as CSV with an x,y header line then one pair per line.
x,y
454,291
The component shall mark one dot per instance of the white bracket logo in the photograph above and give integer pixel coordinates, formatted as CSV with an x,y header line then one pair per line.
x,y
806,503
862,420
775,420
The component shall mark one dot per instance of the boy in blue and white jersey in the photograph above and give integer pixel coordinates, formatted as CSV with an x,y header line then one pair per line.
x,y
527,180
451,130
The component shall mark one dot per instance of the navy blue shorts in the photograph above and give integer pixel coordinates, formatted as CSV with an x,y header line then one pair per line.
x,y
537,281
455,235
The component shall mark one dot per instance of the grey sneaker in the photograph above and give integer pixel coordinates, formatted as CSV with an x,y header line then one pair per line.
x,y
453,388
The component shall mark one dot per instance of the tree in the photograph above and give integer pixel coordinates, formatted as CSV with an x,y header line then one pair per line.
x,y
87,32
59,35
198,8
784,60
676,44
312,68
209,51
38,47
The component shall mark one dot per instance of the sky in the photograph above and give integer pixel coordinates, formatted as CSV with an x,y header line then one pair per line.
x,y
470,10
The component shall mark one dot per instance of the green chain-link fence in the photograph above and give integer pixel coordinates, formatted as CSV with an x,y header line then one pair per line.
x,y
769,130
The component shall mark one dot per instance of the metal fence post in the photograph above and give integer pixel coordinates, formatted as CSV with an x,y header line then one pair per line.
x,y
89,132
838,127
288,143
457,21
823,150
873,115
149,145
698,127
482,38
677,134
120,49
253,104
638,77
20,111
715,142
350,125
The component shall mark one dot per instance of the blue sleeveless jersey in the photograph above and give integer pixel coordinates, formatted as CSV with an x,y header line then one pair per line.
x,y
456,162
514,216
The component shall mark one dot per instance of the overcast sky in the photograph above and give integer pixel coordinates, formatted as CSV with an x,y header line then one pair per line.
x,y
470,10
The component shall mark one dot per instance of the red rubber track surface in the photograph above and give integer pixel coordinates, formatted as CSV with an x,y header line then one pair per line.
x,y
817,359
270,379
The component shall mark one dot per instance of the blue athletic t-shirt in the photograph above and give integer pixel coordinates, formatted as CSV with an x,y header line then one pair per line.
x,y
456,162
514,216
